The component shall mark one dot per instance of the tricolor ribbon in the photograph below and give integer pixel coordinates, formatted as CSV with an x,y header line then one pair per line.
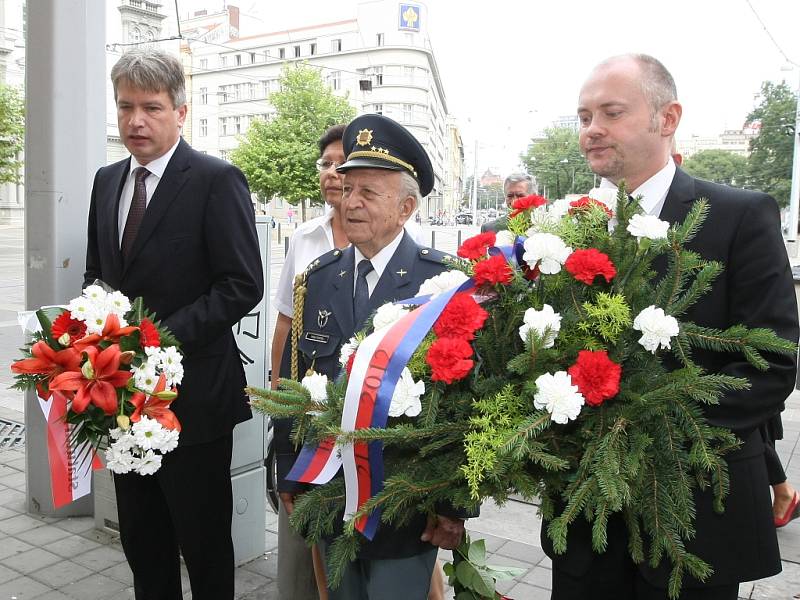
x,y
377,366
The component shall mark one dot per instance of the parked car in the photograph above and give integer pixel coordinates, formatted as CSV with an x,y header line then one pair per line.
x,y
464,218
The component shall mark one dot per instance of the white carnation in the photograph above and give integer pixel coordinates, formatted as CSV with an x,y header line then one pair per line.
x,y
149,463
388,314
406,396
347,350
657,328
546,323
317,385
558,396
607,196
504,238
546,250
441,283
648,226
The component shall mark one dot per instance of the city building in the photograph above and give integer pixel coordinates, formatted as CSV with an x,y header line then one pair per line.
x,y
381,61
12,73
732,140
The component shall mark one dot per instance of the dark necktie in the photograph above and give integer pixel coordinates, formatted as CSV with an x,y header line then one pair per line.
x,y
136,212
361,297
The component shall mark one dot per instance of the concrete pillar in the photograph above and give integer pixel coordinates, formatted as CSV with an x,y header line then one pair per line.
x,y
64,146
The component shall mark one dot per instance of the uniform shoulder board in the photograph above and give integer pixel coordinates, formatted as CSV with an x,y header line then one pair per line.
x,y
436,256
324,260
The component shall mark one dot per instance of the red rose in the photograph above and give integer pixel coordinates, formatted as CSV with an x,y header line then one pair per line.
x,y
493,270
586,203
476,246
461,318
522,204
449,359
585,265
596,376
148,334
64,323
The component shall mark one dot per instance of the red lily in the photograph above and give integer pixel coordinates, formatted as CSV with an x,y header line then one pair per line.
x,y
46,361
155,407
96,381
111,332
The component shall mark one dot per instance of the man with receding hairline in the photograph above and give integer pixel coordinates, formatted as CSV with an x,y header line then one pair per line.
x,y
629,112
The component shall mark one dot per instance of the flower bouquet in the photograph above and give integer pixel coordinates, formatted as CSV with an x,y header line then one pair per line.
x,y
552,360
117,368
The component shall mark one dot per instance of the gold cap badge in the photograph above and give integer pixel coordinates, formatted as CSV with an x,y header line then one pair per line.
x,y
364,137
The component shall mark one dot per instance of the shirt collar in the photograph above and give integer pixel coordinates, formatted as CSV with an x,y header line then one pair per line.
x,y
382,258
159,165
654,190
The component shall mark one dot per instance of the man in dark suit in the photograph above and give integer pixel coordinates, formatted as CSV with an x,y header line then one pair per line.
x,y
628,113
176,227
516,185
386,173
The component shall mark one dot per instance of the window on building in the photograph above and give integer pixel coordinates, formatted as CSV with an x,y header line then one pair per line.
x,y
203,127
252,57
408,73
379,40
223,125
237,59
224,154
204,63
335,80
237,125
223,60
312,49
203,95
222,93
150,36
407,113
336,45
136,35
377,109
282,53
297,51
378,75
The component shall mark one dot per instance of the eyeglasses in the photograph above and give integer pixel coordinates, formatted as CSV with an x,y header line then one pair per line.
x,y
323,164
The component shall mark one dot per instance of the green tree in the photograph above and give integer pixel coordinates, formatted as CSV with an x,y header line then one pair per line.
x,y
771,152
12,133
557,163
277,156
720,166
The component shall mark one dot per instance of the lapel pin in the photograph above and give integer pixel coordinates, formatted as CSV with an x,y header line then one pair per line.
x,y
402,272
322,317
342,273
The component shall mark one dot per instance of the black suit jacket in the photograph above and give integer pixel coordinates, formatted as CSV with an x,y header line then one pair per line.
x,y
496,225
742,231
197,264
330,292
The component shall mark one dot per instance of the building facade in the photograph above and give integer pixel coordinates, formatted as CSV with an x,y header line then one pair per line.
x,y
381,61
731,140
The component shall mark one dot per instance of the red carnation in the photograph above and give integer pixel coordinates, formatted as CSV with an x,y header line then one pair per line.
x,y
449,359
476,246
586,203
64,323
587,264
527,202
493,270
148,334
596,376
349,365
461,318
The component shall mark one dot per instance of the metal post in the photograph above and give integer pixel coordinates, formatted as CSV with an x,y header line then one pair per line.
x,y
458,238
790,232
285,246
433,239
65,68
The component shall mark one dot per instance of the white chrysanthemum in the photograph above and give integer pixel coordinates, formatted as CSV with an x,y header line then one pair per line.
x,y
145,377
546,250
95,294
504,238
546,323
95,320
123,443
317,385
657,328
170,363
147,433
119,461
117,303
441,283
388,314
149,463
406,396
556,394
607,196
347,350
166,441
116,433
648,226
81,308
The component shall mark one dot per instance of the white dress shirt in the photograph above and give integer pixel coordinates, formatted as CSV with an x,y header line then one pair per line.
x,y
156,168
379,262
653,191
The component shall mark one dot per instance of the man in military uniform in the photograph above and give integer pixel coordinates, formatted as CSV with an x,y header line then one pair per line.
x,y
387,172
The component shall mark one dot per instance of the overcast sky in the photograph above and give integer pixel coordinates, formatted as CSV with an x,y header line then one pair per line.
x,y
510,67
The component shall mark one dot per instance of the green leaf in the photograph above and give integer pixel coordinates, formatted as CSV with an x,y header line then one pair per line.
x,y
477,552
